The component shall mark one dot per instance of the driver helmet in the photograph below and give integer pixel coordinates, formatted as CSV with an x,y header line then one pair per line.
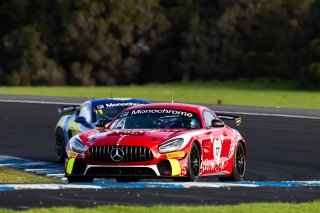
x,y
193,124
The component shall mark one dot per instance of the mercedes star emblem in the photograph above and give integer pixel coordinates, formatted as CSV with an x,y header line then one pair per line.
x,y
117,154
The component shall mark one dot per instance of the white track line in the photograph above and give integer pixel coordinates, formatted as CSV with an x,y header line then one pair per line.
x,y
39,170
55,175
240,113
51,186
38,102
271,114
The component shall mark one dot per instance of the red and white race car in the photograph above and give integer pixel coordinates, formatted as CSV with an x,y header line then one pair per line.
x,y
180,141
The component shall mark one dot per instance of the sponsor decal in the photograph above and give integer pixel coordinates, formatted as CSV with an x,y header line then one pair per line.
x,y
158,111
213,166
208,165
175,154
122,133
101,106
124,114
126,132
217,147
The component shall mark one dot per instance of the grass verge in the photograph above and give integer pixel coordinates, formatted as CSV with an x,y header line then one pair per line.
x,y
309,207
257,93
8,175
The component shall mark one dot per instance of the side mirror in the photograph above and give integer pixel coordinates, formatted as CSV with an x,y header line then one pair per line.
x,y
80,120
100,123
217,123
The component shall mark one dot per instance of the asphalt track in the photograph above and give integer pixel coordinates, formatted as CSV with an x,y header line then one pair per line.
x,y
283,145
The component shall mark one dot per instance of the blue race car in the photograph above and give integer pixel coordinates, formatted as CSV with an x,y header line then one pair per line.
x,y
85,116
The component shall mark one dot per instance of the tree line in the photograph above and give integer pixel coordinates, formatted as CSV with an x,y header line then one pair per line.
x,y
117,42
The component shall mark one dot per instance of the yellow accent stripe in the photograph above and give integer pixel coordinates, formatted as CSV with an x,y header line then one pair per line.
x,y
175,167
70,165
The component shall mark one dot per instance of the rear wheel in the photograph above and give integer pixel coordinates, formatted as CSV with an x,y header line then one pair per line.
x,y
60,146
239,165
80,179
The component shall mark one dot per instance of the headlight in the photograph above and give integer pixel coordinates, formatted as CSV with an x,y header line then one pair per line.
x,y
171,145
76,145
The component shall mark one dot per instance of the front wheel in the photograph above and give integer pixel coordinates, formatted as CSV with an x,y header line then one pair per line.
x,y
239,165
60,145
194,162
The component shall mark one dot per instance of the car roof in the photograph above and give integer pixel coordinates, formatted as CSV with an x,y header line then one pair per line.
x,y
181,106
95,102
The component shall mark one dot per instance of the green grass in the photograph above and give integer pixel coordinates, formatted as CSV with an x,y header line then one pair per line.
x,y
243,92
8,175
251,208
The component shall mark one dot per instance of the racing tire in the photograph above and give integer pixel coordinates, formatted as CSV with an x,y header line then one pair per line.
x,y
239,165
80,179
60,146
194,163
127,179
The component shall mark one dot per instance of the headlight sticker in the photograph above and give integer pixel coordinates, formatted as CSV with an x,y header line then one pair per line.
x,y
72,154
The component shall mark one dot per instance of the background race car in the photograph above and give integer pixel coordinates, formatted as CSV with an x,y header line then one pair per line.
x,y
179,141
83,118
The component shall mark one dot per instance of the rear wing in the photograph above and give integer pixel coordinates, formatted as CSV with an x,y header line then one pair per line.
x,y
68,108
235,118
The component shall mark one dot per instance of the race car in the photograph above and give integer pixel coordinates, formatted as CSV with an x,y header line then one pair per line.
x,y
83,118
179,141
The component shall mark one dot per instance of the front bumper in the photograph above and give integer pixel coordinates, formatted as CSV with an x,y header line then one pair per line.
x,y
164,168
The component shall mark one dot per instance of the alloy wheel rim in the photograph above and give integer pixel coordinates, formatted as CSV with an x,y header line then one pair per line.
x,y
195,161
240,160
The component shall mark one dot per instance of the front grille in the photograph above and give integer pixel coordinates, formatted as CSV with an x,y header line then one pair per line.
x,y
130,154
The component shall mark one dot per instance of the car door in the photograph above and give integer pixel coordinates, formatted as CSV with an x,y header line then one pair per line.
x,y
215,146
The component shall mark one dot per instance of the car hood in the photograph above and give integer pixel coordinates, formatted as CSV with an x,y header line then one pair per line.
x,y
130,137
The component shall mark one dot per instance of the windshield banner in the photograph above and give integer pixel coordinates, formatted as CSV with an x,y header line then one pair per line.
x,y
111,105
157,111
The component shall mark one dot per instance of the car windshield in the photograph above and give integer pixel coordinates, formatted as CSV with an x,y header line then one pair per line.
x,y
157,119
108,113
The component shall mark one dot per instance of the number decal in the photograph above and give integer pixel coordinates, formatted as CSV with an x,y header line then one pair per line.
x,y
217,148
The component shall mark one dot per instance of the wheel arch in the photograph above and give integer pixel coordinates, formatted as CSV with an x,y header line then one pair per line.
x,y
60,128
197,142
